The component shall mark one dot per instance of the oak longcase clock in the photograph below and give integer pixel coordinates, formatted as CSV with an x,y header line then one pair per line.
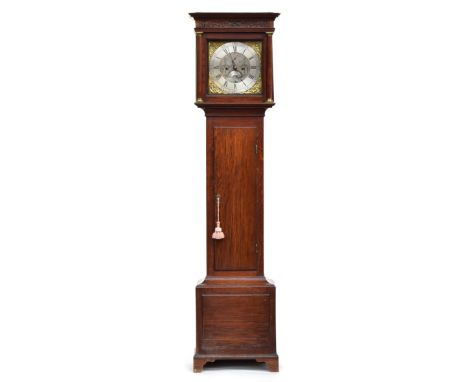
x,y
235,304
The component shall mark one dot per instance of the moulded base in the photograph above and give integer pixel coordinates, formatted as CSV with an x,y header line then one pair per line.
x,y
270,360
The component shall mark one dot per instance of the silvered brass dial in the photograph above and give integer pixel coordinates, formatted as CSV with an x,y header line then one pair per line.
x,y
235,68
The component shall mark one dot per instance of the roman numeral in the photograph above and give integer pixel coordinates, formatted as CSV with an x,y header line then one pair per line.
x,y
225,51
225,84
234,47
251,76
252,67
235,88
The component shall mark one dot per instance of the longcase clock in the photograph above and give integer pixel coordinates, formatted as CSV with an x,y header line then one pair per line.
x,y
235,304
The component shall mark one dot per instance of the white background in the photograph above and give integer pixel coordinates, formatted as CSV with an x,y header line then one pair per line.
x,y
102,190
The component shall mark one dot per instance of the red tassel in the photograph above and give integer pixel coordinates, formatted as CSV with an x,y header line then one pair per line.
x,y
218,232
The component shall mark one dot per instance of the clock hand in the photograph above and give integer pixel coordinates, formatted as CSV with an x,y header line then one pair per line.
x,y
233,63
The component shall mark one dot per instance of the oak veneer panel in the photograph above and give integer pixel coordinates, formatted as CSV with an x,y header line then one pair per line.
x,y
232,322
235,180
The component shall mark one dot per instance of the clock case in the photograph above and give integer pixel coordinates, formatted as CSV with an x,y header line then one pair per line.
x,y
235,303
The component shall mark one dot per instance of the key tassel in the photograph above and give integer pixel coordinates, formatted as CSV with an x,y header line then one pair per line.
x,y
218,232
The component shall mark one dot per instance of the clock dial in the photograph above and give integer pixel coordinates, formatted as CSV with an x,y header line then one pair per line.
x,y
235,68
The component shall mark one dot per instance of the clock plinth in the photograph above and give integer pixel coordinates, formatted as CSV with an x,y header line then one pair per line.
x,y
235,320
235,304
